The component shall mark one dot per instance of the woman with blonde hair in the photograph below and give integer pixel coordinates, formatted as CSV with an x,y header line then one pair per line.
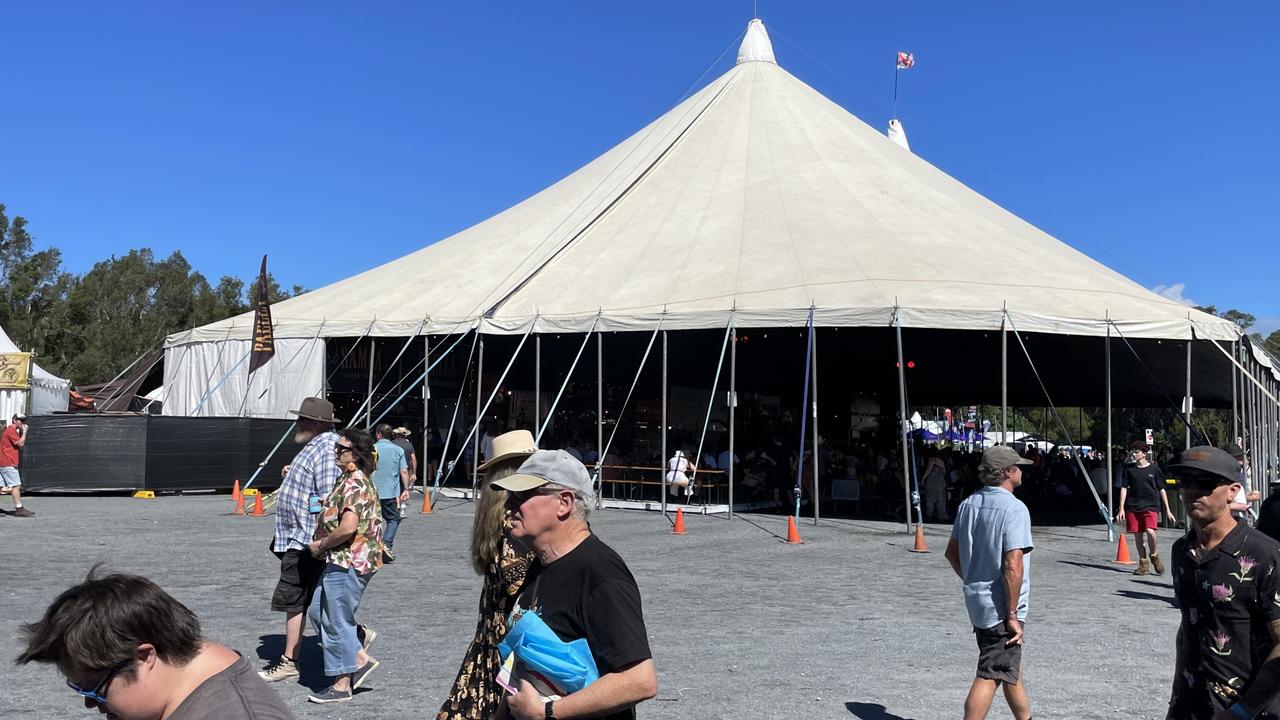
x,y
502,561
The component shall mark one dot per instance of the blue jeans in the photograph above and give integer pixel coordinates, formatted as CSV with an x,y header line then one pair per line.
x,y
390,516
333,614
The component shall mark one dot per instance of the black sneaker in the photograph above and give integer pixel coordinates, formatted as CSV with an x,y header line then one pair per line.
x,y
23,512
329,695
387,556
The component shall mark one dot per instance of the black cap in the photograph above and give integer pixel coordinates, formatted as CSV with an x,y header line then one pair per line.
x,y
1234,450
1208,460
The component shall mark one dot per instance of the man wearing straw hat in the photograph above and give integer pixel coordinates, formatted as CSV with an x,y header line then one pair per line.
x,y
307,480
402,441
989,543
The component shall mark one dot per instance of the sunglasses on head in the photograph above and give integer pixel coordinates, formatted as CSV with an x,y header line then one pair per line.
x,y
98,694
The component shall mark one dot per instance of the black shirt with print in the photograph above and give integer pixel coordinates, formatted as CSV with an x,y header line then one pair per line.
x,y
1228,598
589,593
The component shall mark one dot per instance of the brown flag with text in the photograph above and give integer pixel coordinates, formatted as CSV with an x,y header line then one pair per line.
x,y
264,344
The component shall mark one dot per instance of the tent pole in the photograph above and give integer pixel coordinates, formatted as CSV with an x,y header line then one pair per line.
x,y
733,406
475,437
902,408
1187,410
663,460
426,411
373,351
599,407
1004,381
1107,455
1235,393
537,381
813,341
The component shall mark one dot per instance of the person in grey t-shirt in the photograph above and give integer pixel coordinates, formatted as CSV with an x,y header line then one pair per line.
x,y
988,548
132,651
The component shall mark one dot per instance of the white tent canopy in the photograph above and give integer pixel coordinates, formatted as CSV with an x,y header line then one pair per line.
x,y
49,393
756,196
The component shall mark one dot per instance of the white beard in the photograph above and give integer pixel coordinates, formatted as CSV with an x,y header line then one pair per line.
x,y
302,437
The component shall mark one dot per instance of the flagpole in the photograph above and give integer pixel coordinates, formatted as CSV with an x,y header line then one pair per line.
x,y
895,89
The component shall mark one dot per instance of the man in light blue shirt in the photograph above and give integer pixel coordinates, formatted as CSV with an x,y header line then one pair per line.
x,y
988,550
392,480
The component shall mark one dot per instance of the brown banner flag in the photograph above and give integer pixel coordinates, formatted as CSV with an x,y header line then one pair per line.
x,y
264,344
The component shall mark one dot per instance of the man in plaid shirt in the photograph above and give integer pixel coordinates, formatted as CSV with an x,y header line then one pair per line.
x,y
312,474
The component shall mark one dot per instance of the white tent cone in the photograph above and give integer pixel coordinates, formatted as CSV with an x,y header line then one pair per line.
x,y
756,195
898,134
756,46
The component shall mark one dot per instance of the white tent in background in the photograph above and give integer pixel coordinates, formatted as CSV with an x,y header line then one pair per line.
x,y
756,196
49,393
898,134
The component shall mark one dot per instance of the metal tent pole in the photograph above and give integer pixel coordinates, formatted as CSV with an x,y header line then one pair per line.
x,y
425,465
537,381
599,408
733,405
475,437
1004,379
1187,409
663,460
813,342
1235,393
373,351
1107,456
902,408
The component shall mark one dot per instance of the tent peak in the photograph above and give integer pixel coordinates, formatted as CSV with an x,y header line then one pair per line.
x,y
756,46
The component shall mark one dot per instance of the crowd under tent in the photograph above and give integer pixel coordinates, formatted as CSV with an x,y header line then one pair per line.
x,y
756,207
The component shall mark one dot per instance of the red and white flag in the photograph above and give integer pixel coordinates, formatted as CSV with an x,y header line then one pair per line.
x,y
906,60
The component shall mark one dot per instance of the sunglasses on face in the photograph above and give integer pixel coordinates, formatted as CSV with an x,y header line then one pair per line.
x,y
98,693
520,497
339,448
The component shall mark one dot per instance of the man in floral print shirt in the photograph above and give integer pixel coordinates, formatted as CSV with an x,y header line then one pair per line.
x,y
1227,586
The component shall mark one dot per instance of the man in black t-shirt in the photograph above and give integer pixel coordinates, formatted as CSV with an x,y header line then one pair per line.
x,y
1141,495
580,588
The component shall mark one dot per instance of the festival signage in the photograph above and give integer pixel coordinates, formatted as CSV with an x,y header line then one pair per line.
x,y
15,370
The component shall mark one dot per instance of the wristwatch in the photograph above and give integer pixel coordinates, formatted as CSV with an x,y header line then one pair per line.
x,y
551,710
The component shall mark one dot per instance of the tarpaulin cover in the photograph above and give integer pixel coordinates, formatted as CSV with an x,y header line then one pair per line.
x,y
90,452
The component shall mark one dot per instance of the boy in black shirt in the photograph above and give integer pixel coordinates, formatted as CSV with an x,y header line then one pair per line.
x,y
1141,495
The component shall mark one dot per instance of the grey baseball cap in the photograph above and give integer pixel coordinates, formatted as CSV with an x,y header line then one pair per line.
x,y
1209,460
1003,456
544,467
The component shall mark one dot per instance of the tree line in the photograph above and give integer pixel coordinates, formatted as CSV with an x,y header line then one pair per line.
x,y
89,327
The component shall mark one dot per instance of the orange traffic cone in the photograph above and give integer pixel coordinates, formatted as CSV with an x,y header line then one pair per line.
x,y
239,498
679,526
257,505
1122,553
426,502
793,535
920,546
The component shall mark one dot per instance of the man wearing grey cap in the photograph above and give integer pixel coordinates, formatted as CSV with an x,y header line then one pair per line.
x,y
1228,591
989,543
580,588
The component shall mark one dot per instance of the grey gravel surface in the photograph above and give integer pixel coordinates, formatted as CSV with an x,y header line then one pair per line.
x,y
848,625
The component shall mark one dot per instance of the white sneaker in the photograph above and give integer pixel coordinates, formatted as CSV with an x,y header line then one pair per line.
x,y
282,669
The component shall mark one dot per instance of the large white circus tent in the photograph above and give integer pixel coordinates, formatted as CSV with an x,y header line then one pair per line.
x,y
757,197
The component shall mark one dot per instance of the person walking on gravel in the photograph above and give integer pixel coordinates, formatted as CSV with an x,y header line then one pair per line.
x,y
1142,494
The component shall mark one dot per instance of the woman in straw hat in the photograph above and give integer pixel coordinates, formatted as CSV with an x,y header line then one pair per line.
x,y
502,561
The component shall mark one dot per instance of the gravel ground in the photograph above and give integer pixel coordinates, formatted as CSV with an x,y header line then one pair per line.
x,y
848,625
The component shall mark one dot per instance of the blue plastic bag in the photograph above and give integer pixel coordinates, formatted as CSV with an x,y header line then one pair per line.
x,y
550,664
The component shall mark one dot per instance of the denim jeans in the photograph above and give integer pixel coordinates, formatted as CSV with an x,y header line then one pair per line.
x,y
390,516
333,614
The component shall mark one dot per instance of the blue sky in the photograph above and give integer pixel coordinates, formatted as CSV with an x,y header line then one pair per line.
x,y
338,136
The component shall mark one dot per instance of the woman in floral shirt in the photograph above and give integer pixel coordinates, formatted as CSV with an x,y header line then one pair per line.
x,y
349,539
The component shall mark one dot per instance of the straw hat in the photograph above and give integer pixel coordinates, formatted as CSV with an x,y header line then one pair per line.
x,y
514,444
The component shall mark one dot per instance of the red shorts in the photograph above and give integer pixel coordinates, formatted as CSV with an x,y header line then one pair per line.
x,y
1136,521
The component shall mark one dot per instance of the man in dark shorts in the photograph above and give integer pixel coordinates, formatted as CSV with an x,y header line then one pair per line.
x,y
312,474
1142,494
988,548
130,650
580,588
1228,591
